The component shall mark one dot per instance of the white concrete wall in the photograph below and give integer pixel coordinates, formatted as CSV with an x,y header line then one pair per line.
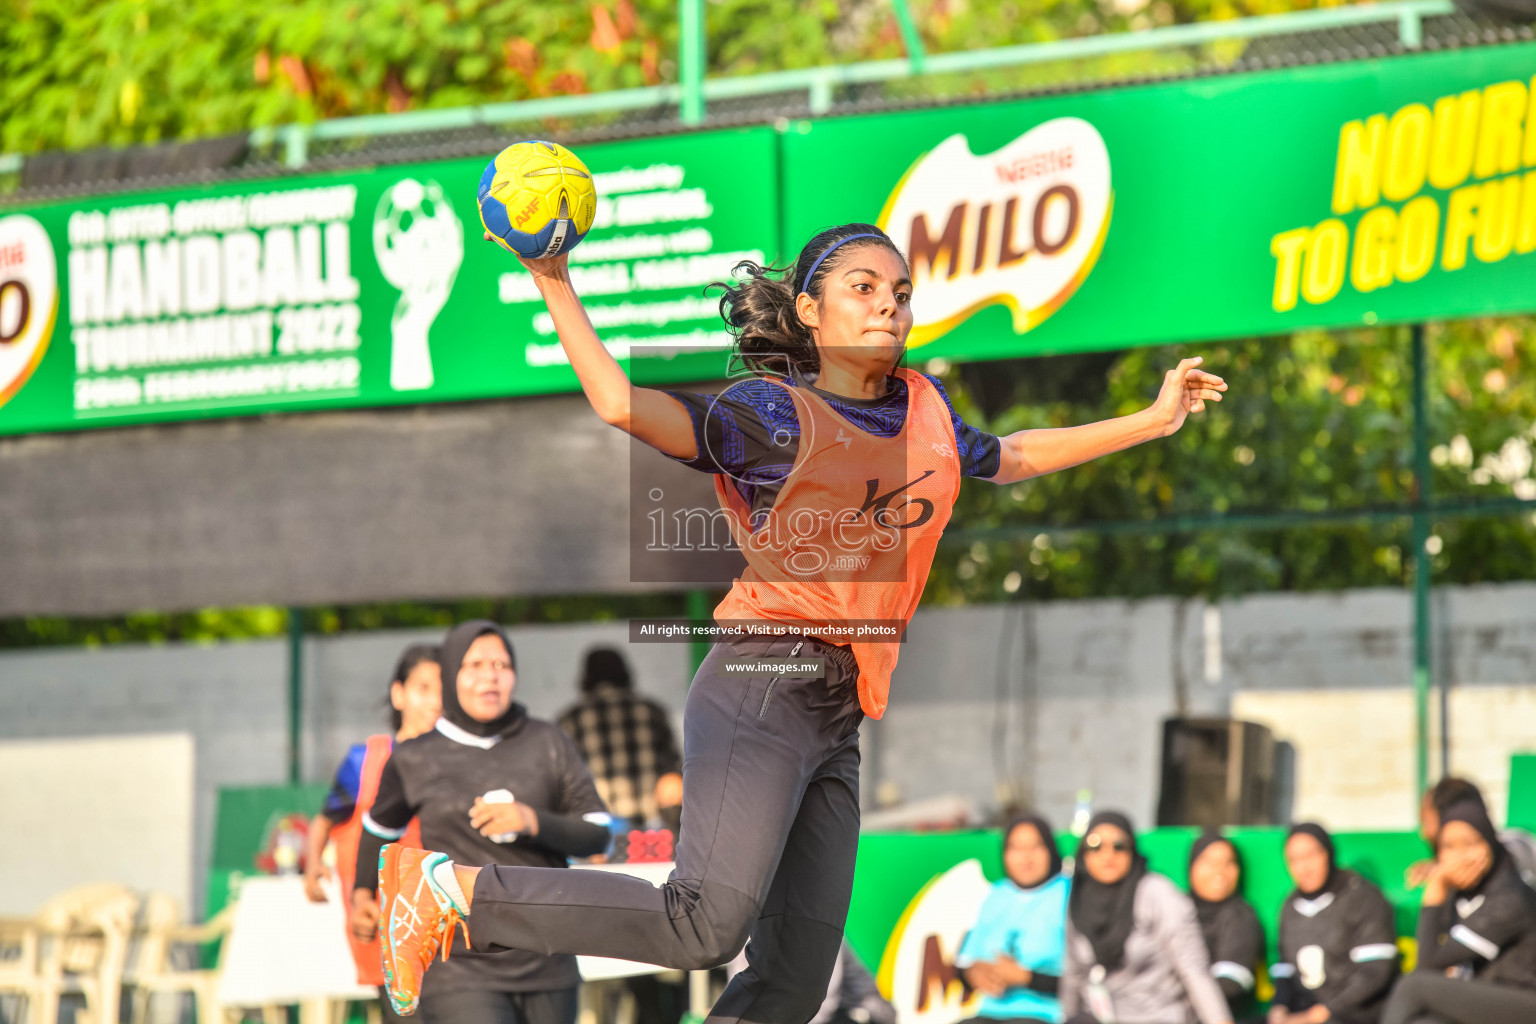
x,y
1073,693
1355,747
71,805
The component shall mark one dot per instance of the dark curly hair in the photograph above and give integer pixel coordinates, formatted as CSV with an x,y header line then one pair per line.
x,y
414,655
759,306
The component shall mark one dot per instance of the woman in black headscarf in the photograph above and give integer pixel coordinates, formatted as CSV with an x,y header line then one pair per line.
x,y
1338,939
489,784
1477,933
1134,951
1228,924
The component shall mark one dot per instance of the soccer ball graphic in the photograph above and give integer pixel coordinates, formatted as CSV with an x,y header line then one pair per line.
x,y
416,235
537,199
419,243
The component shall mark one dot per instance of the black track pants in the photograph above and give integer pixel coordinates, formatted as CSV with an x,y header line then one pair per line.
x,y
1423,998
770,833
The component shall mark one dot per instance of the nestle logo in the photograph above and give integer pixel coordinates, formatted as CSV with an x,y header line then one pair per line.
x,y
1034,165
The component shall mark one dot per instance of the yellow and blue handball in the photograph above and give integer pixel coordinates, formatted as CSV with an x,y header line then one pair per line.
x,y
537,199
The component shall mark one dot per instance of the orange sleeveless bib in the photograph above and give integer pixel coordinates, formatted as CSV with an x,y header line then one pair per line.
x,y
851,537
370,969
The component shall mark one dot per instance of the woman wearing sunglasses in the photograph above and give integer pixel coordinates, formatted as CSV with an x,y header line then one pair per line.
x,y
1135,954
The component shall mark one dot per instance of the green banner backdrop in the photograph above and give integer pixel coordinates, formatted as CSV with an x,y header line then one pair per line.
x,y
1378,191
1369,192
361,288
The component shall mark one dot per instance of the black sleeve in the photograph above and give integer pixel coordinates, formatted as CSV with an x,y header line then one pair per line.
x,y
980,452
1236,949
578,825
341,801
1046,984
368,847
567,722
570,835
384,822
1372,952
668,759
1447,940
1283,972
339,805
728,429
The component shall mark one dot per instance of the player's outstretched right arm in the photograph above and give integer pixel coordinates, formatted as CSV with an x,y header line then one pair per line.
x,y
652,416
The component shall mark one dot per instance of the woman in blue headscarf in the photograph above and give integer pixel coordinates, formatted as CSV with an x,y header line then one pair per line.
x,y
1014,954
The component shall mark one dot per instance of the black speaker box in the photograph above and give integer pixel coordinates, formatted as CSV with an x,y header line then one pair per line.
x,y
1216,771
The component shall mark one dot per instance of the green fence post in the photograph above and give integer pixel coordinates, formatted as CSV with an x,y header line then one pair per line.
x,y
295,146
916,55
690,64
295,691
698,611
1421,575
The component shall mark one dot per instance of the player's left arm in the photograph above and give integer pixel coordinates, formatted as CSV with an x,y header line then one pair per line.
x,y
1031,453
577,825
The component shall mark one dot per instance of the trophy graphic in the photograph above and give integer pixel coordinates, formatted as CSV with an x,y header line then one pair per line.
x,y
419,244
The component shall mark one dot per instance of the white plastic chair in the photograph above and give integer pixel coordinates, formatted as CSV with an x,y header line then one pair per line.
x,y
153,971
77,943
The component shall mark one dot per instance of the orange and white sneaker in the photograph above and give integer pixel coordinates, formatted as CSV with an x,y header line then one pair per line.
x,y
420,905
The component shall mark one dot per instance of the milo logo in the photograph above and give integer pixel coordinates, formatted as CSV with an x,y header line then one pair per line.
x,y
29,300
1021,227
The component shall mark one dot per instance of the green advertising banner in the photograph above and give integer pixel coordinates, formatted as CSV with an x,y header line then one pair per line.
x,y
1368,192
361,288
1374,191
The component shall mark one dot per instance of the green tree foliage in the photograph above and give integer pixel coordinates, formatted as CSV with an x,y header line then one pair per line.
x,y
212,625
82,73
115,72
1316,422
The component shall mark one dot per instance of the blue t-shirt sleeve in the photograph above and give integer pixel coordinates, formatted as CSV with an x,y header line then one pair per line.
x,y
741,428
750,433
989,935
341,801
1055,962
980,452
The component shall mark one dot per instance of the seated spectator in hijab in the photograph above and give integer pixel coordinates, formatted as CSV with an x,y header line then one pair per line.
x,y
1015,952
1134,951
1231,929
1338,939
1448,792
626,741
1477,933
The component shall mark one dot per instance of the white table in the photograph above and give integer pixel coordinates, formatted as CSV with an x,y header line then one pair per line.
x,y
284,949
